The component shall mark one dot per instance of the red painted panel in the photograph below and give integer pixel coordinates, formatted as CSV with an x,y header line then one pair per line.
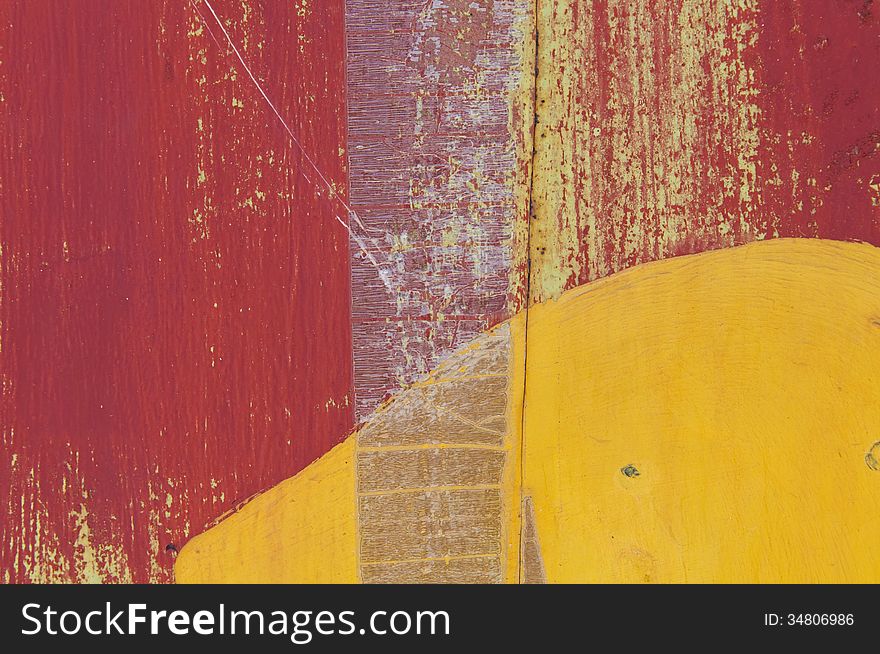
x,y
175,284
820,108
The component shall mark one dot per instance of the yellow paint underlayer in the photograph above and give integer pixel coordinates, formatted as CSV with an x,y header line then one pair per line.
x,y
743,386
303,530
646,135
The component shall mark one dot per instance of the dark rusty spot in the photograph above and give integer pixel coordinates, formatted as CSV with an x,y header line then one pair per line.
x,y
171,549
630,471
872,458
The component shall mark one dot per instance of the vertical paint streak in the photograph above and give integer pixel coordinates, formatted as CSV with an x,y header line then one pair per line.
x,y
646,134
175,284
439,124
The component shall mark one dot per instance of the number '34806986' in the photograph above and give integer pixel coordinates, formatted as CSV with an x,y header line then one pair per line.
x,y
809,619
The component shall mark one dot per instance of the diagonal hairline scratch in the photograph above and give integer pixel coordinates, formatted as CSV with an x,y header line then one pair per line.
x,y
385,272
273,107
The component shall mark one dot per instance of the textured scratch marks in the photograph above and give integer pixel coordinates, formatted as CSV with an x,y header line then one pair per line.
x,y
314,173
646,134
175,319
438,127
667,128
430,473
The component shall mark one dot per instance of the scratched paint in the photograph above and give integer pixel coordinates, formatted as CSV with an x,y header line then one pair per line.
x,y
175,283
439,132
665,128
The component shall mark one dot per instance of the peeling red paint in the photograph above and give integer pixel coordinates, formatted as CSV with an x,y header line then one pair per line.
x,y
820,109
175,285
669,128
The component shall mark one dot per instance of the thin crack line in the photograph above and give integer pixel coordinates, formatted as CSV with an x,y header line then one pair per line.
x,y
385,272
531,209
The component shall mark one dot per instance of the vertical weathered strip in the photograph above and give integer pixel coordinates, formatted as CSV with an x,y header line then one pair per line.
x,y
439,132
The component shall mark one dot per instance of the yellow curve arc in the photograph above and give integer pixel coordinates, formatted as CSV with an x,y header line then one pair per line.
x,y
708,418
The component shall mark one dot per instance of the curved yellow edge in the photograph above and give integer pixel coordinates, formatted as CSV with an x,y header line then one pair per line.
x,y
710,418
304,530
707,419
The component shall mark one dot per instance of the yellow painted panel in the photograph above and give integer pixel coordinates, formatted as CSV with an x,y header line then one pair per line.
x,y
512,491
303,530
707,419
